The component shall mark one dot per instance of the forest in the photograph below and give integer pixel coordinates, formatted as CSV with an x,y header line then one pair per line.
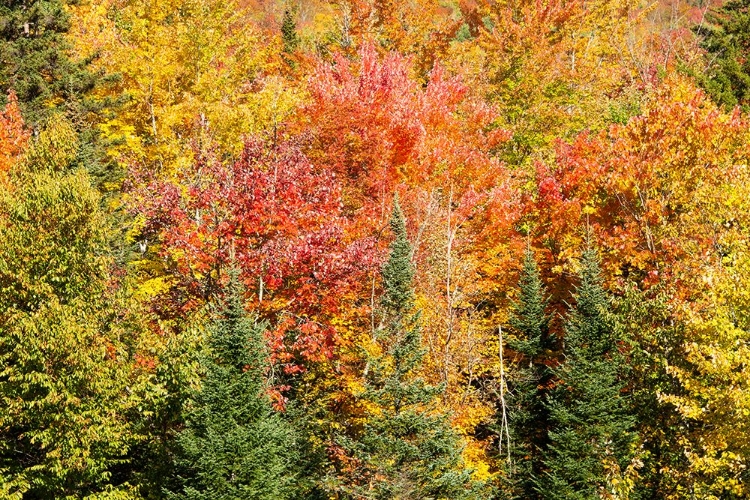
x,y
374,249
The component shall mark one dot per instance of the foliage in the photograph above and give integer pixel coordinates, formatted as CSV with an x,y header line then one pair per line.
x,y
234,444
270,137
726,39
552,68
406,448
188,70
64,340
527,416
289,246
13,135
591,438
36,64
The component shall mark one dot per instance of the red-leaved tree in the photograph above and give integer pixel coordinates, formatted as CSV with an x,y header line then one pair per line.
x,y
280,221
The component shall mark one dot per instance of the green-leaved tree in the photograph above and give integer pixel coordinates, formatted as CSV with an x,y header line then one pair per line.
x,y
66,380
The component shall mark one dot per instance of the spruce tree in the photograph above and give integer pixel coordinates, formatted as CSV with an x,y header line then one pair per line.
x,y
289,35
34,61
234,445
527,414
407,448
725,35
591,436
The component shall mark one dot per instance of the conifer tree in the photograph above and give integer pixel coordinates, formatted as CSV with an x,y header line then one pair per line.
x,y
234,444
407,448
35,64
289,33
527,420
591,436
726,38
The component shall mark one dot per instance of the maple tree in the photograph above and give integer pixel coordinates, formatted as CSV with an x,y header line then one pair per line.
x,y
289,246
657,195
381,132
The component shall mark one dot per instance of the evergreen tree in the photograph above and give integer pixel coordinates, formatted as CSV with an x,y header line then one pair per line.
x,y
407,449
590,437
48,83
289,33
234,445
34,61
726,38
527,418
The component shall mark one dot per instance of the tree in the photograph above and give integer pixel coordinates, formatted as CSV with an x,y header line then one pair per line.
x,y
552,68
528,416
35,62
657,196
234,444
377,128
285,222
13,135
67,382
725,36
189,70
591,439
407,448
289,33
669,205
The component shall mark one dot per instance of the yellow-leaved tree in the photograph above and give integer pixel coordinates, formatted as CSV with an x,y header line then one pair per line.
x,y
182,69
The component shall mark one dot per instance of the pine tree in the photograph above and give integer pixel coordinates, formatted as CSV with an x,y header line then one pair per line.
x,y
590,437
527,419
725,36
234,444
407,448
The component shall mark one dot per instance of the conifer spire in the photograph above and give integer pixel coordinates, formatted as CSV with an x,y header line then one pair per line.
x,y
529,317
528,418
289,33
234,444
591,432
398,271
407,446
